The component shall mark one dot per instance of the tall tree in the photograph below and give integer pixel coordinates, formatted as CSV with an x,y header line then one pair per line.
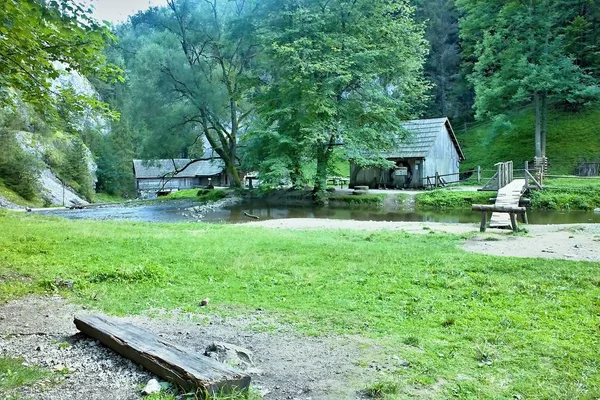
x,y
451,96
340,72
188,74
37,35
522,59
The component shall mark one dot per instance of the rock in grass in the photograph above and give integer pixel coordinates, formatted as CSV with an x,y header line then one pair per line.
x,y
204,302
152,387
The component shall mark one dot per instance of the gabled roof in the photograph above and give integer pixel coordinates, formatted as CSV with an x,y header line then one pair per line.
x,y
148,169
423,133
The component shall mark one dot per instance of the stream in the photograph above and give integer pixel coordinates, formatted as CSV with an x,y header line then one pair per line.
x,y
178,211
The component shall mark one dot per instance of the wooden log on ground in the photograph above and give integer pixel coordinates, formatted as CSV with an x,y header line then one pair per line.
x,y
168,360
495,208
251,216
365,188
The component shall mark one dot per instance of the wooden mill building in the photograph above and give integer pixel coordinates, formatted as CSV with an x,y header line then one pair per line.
x,y
163,176
430,148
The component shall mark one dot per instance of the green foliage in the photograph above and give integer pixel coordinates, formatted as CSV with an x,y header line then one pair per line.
x,y
384,389
14,374
357,200
19,170
36,35
386,286
571,138
449,199
345,71
566,199
204,195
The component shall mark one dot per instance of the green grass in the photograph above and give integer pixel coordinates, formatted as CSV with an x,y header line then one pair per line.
x,y
108,198
204,195
357,200
566,199
571,138
448,199
13,374
470,326
566,183
383,389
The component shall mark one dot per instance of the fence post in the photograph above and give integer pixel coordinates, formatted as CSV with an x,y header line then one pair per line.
x,y
526,174
479,174
437,179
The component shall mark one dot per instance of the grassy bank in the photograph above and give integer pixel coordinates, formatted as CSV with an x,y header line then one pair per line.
x,y
468,325
572,137
350,200
447,199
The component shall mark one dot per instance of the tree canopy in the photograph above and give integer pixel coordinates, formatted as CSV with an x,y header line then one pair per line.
x,y
39,38
523,57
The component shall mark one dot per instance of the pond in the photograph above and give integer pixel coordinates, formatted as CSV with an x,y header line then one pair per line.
x,y
176,211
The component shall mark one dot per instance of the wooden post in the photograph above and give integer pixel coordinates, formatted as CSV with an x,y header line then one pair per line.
x,y
483,221
525,218
437,179
513,222
526,174
479,174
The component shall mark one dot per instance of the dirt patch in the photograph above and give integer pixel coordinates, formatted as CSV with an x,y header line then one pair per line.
x,y
411,227
568,242
565,242
287,365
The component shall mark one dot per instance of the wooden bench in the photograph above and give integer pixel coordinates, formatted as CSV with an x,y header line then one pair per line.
x,y
511,210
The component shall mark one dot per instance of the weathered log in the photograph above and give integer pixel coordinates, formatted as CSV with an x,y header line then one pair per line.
x,y
168,360
495,208
251,216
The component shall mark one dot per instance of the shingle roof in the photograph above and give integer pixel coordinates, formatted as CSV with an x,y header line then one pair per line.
x,y
423,133
165,168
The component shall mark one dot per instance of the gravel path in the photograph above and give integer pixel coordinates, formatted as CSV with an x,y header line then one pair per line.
x,y
287,365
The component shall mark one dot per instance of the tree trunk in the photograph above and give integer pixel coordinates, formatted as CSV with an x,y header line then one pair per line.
x,y
296,175
323,155
544,118
538,124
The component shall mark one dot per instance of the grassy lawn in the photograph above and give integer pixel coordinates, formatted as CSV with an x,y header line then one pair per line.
x,y
13,374
470,326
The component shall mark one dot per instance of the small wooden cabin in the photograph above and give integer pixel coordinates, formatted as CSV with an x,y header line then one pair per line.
x,y
159,176
430,148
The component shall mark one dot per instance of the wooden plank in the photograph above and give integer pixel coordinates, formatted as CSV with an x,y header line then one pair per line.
x,y
168,360
508,196
496,208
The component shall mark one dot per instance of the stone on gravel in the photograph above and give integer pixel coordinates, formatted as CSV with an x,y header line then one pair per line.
x,y
152,387
230,354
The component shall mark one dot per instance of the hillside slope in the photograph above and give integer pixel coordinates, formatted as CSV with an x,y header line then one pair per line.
x,y
572,137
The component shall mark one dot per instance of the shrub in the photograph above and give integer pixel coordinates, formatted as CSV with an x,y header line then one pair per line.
x,y
19,170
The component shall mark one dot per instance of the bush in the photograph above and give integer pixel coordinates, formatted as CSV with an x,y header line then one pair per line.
x,y
566,199
19,170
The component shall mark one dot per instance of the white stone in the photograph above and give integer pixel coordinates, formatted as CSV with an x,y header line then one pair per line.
x,y
152,387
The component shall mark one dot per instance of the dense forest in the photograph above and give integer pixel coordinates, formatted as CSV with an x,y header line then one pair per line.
x,y
291,87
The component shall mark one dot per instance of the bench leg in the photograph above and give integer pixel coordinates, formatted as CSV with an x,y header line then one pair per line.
x,y
513,222
525,219
483,221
